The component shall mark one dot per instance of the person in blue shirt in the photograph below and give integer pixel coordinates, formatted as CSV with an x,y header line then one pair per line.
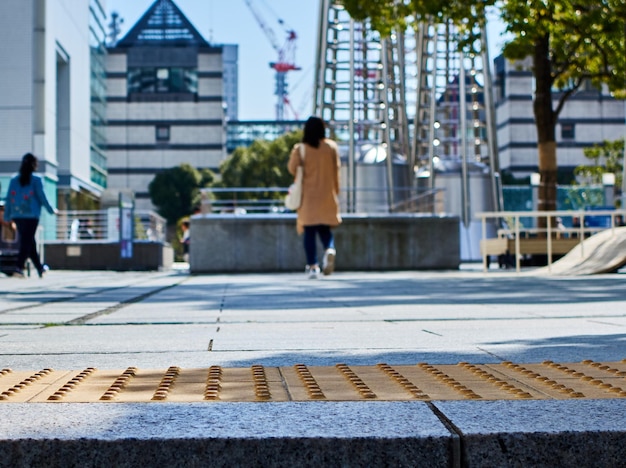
x,y
24,200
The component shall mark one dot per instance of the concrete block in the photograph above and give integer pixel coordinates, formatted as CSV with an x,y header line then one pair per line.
x,y
147,256
264,243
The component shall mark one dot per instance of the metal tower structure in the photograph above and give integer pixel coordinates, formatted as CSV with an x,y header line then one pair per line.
x,y
454,114
413,95
114,28
359,93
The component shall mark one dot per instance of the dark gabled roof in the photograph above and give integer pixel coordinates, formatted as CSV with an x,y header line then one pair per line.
x,y
163,24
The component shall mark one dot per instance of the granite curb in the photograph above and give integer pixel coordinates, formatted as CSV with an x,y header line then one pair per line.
x,y
329,434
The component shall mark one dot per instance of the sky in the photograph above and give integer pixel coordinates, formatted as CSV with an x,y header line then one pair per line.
x,y
232,22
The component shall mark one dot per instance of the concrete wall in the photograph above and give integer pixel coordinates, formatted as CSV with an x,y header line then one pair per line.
x,y
147,256
260,243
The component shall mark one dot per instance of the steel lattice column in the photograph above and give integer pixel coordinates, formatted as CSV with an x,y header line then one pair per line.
x,y
360,91
415,94
455,116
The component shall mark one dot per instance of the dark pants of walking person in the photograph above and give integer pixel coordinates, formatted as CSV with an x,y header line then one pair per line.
x,y
26,228
310,238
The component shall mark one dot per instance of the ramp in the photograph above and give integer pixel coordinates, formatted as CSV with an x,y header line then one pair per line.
x,y
603,252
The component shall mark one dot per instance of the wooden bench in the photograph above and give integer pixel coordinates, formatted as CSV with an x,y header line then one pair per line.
x,y
494,246
527,245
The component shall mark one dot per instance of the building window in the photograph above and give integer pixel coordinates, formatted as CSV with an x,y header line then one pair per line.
x,y
162,80
162,133
568,131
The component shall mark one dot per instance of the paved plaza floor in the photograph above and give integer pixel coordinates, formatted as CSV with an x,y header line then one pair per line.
x,y
155,320
111,320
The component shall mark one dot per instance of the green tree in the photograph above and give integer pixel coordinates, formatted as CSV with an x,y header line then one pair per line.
x,y
606,157
175,192
207,177
262,164
568,42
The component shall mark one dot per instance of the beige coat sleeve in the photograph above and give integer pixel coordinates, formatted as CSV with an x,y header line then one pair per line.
x,y
294,159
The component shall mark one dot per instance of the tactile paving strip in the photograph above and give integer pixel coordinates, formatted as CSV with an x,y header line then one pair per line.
x,y
463,381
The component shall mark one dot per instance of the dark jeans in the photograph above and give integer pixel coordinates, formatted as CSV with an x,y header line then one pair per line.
x,y
310,237
26,228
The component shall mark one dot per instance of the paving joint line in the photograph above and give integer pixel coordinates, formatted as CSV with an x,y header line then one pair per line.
x,y
70,298
456,435
121,305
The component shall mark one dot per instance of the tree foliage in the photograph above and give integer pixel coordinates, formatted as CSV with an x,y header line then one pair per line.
x,y
262,164
568,42
175,192
604,158
387,15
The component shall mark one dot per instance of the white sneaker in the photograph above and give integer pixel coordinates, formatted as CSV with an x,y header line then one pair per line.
x,y
312,273
328,264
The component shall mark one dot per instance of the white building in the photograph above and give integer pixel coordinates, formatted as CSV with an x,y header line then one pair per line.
x,y
52,94
166,100
589,117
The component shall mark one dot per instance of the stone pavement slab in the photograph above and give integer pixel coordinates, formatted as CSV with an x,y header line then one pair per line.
x,y
540,433
120,319
228,434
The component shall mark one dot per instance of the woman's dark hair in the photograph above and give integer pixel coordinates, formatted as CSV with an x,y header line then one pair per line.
x,y
314,131
29,165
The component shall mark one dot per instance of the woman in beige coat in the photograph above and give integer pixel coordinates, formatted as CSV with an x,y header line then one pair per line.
x,y
319,210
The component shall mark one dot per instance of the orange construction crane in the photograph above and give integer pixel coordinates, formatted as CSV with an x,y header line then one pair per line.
x,y
284,64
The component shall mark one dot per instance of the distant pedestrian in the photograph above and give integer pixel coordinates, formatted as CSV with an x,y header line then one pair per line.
x,y
185,239
319,210
85,230
24,200
560,228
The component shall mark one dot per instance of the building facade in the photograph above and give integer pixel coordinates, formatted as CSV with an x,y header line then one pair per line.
x,y
97,47
589,117
52,94
231,80
165,101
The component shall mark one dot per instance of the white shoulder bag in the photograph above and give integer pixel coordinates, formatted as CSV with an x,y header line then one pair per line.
x,y
294,195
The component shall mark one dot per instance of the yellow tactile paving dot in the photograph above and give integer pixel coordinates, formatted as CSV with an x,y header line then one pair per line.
x,y
573,380
342,382
28,385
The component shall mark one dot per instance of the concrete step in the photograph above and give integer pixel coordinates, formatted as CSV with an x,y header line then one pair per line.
x,y
537,433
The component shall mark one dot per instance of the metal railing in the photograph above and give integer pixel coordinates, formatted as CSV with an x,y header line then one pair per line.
x,y
428,201
271,200
571,224
264,200
103,225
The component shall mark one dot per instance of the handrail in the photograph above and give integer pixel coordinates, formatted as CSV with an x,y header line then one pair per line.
x,y
429,201
582,230
428,196
100,225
